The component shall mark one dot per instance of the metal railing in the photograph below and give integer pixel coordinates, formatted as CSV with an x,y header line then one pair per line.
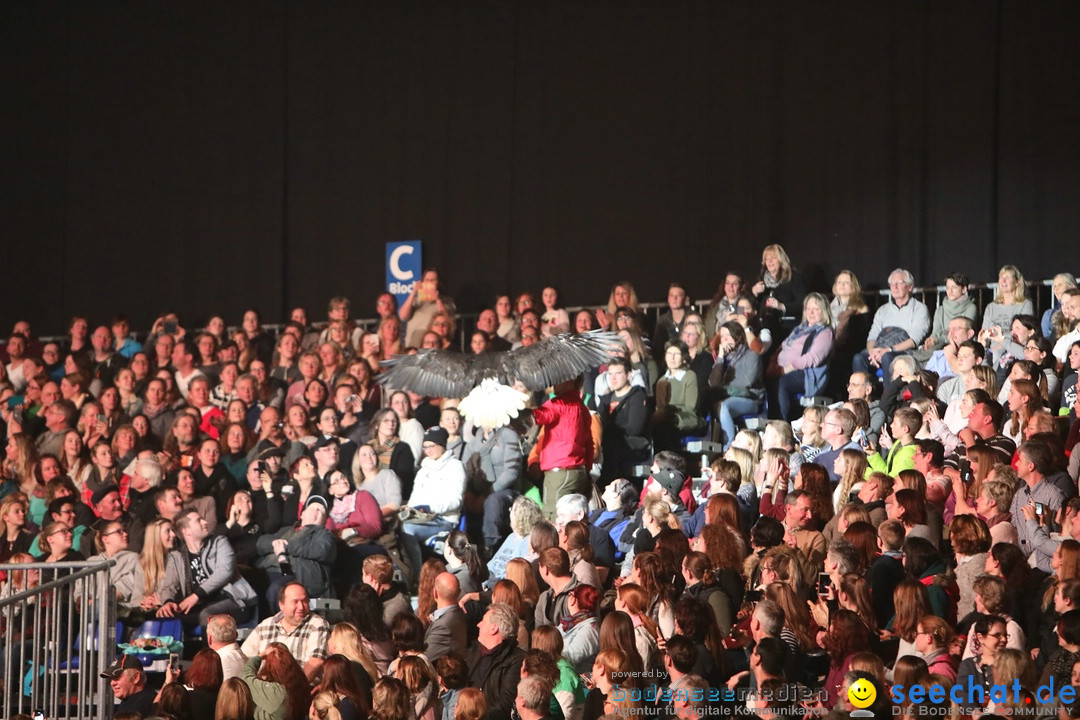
x,y
58,637
1039,291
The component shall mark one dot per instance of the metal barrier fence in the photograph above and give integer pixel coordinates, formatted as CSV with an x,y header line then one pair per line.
x,y
58,637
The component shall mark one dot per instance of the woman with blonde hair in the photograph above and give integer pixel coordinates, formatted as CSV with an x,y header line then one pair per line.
x,y
811,443
701,358
622,296
423,685
799,368
782,564
324,706
158,542
234,701
1011,300
19,459
847,300
1052,317
471,704
345,640
851,466
612,669
391,700
14,537
779,289
981,460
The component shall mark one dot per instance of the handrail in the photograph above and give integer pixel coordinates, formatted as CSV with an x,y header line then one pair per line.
x,y
86,571
368,323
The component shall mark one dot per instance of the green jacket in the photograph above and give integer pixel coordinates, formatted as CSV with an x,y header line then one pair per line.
x,y
271,700
901,457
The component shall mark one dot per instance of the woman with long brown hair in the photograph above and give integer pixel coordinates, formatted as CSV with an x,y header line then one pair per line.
x,y
617,633
657,580
799,627
846,636
912,602
351,689
1023,401
634,601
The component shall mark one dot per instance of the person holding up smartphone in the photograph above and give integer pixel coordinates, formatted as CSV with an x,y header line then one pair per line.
x,y
1033,461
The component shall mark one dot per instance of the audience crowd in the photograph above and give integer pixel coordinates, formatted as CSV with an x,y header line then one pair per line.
x,y
885,495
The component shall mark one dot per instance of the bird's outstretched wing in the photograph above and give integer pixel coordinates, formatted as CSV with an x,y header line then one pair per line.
x,y
446,373
559,358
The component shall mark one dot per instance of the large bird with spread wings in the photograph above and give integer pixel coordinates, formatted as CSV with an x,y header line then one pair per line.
x,y
485,381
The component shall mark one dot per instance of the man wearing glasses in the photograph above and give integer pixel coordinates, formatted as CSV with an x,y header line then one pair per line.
x,y
836,429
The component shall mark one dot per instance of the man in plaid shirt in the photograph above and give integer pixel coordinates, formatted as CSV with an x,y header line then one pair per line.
x,y
295,627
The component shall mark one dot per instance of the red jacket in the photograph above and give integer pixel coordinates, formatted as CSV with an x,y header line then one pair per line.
x,y
566,424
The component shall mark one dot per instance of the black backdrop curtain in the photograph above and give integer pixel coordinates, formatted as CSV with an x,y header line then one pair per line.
x,y
168,155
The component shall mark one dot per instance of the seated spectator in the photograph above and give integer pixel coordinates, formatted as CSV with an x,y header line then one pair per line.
x,y
128,682
899,326
1011,300
357,522
304,553
346,641
737,377
438,490
423,685
800,366
524,515
495,662
383,483
361,610
126,575
201,578
348,686
302,634
677,398
463,560
447,632
14,537
221,637
202,504
933,640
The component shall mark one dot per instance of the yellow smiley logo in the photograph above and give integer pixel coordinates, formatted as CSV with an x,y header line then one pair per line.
x,y
861,693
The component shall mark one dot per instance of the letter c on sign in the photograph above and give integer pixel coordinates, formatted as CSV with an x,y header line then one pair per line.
x,y
395,258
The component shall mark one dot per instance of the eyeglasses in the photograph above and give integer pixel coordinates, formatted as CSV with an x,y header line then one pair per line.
x,y
428,446
120,531
999,636
65,531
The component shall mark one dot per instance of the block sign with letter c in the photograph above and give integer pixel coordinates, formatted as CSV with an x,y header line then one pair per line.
x,y
404,268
